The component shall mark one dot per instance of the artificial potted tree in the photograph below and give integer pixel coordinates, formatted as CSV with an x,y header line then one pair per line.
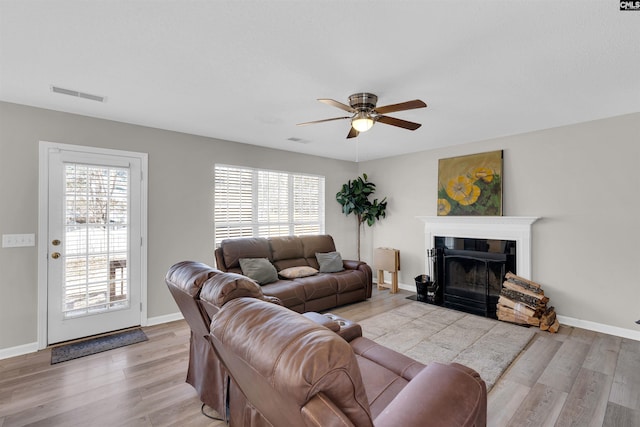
x,y
354,198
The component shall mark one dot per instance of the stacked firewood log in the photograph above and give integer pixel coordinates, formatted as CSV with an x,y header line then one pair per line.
x,y
523,302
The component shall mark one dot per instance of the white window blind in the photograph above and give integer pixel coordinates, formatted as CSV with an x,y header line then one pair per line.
x,y
262,203
96,202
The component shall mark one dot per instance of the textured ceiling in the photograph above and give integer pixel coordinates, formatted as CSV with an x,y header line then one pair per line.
x,y
248,71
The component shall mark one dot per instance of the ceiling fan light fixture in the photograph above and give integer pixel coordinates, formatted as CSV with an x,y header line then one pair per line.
x,y
364,113
362,122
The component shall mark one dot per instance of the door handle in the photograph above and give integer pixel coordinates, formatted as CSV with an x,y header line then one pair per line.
x,y
55,255
55,242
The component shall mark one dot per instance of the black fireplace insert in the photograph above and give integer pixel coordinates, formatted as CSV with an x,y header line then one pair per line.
x,y
471,272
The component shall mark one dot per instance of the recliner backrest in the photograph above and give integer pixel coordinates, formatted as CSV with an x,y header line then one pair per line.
x,y
287,251
312,244
231,250
185,280
223,287
286,364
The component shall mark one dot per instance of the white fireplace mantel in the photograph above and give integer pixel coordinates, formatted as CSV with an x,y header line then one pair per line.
x,y
517,228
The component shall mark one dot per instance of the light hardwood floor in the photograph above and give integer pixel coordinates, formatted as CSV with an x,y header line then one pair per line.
x,y
575,377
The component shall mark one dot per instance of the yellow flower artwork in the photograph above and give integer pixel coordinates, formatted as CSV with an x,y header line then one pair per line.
x,y
459,187
470,185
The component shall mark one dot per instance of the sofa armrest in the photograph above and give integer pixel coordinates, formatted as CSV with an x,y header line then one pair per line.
x,y
273,300
220,265
350,264
320,411
363,267
322,320
347,329
440,396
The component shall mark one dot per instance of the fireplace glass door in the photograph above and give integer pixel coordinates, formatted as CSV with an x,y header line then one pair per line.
x,y
472,271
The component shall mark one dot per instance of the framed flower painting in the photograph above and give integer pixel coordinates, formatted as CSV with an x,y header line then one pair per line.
x,y
470,185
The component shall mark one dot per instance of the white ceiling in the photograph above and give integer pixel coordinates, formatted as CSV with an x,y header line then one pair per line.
x,y
248,71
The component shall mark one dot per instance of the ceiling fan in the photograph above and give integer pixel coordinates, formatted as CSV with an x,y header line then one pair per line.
x,y
365,113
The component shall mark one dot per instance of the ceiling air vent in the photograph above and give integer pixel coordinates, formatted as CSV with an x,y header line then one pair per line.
x,y
77,94
298,140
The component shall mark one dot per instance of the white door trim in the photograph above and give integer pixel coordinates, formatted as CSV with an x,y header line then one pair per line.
x,y
43,231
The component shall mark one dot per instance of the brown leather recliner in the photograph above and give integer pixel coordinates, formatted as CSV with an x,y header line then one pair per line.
x,y
288,370
200,291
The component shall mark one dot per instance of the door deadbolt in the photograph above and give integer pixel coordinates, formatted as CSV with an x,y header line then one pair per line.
x,y
55,242
55,255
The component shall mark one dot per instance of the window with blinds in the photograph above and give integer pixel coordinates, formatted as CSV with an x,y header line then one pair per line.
x,y
262,203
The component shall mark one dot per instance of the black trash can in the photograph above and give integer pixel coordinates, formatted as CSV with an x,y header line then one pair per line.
x,y
426,290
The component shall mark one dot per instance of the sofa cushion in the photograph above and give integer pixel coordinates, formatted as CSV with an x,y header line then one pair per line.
x,y
286,252
381,384
349,280
330,262
384,372
259,269
289,292
185,280
283,264
397,363
316,243
223,287
250,247
286,247
297,272
189,276
318,286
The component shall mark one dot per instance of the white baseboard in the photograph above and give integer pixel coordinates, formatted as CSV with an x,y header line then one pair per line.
x,y
18,350
599,327
151,321
578,323
404,286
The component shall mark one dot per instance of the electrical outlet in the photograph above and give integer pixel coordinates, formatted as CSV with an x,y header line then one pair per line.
x,y
18,240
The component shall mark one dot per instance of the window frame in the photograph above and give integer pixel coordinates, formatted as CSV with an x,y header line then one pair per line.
x,y
292,224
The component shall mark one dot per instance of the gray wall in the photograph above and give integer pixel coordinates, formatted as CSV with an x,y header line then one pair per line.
x,y
180,199
583,180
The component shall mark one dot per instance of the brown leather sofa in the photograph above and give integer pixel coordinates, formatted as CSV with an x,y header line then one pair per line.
x,y
289,370
314,293
221,308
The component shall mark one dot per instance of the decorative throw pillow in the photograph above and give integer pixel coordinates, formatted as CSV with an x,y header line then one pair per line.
x,y
297,272
330,262
258,269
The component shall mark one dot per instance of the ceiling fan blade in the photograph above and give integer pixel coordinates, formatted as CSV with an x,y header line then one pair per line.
x,y
398,122
409,105
337,104
352,133
321,121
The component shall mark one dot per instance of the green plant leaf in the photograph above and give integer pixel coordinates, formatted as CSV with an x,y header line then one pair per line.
x,y
354,198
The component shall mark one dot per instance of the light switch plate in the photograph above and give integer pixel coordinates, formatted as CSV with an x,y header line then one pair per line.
x,y
18,240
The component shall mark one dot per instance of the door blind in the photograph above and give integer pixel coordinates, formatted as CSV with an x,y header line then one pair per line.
x,y
96,239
